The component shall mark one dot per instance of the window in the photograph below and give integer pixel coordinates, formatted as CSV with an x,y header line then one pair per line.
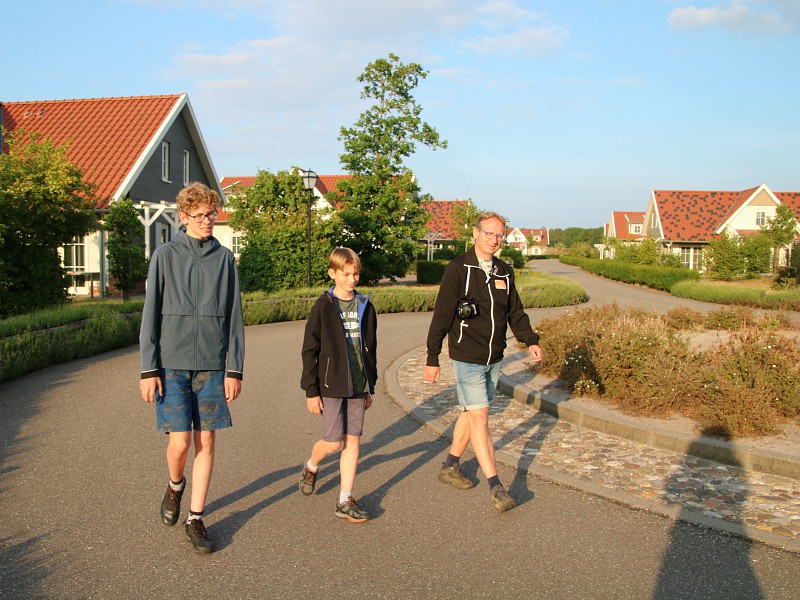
x,y
163,233
165,162
187,159
761,218
637,228
692,257
237,243
75,261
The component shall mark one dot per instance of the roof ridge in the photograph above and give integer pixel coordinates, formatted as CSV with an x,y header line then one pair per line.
x,y
105,99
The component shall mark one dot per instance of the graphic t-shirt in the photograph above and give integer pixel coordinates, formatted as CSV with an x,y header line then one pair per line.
x,y
348,310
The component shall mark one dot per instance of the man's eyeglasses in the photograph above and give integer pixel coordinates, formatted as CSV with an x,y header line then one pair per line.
x,y
489,235
211,216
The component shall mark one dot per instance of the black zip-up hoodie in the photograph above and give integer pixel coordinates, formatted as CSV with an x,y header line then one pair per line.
x,y
326,367
480,339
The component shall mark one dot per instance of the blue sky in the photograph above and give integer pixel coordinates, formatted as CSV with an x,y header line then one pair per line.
x,y
556,112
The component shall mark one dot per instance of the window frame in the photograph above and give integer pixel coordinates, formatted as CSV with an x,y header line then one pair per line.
x,y
187,161
165,161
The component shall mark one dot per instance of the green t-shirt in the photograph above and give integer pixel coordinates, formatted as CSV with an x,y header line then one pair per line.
x,y
348,310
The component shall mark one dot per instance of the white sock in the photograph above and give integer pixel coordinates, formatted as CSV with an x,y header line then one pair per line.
x,y
311,467
180,486
343,496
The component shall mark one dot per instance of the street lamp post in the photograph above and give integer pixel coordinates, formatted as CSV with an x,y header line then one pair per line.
x,y
309,182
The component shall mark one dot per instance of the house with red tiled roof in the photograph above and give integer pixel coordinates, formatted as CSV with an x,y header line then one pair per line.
x,y
684,222
142,147
626,226
531,242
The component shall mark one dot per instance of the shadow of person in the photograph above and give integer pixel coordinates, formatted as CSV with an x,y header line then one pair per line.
x,y
700,562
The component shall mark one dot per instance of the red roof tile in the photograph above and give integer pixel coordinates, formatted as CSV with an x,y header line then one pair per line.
x,y
621,219
442,218
107,136
228,184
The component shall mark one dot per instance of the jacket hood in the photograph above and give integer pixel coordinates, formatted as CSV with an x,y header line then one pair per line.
x,y
194,244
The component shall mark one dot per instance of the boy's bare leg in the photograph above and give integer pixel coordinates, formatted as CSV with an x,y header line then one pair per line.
x,y
482,444
322,450
177,453
348,461
202,468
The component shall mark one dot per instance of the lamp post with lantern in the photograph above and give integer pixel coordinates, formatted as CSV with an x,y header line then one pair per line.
x,y
309,182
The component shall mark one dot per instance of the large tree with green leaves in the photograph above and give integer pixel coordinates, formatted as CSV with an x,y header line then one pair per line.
x,y
45,204
781,230
273,216
465,216
126,261
380,205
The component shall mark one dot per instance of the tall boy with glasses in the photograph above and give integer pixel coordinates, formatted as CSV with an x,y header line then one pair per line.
x,y
477,300
192,351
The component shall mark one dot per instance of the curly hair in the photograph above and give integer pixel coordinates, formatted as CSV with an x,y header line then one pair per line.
x,y
195,194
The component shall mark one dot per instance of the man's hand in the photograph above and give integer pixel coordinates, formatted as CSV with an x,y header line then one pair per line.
x,y
536,353
432,374
233,387
148,387
368,401
314,405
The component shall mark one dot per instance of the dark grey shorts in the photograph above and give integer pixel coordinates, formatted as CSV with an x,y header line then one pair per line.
x,y
342,416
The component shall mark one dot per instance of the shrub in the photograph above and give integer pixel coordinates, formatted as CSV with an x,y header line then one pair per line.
x,y
682,318
430,271
654,276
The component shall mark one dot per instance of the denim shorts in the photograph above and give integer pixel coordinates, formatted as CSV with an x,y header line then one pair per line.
x,y
192,400
342,416
475,384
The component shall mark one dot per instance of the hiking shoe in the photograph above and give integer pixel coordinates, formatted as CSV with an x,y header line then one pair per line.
x,y
452,476
349,510
171,506
196,532
502,501
308,480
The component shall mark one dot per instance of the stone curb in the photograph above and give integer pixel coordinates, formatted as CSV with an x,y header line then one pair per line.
x,y
585,418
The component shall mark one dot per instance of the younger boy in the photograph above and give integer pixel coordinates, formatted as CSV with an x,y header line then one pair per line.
x,y
339,375
192,351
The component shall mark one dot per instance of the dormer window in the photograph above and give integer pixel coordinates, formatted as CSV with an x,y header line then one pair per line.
x,y
165,162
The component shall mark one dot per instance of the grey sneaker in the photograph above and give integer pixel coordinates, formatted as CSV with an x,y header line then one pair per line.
x,y
502,501
196,533
349,510
308,479
452,476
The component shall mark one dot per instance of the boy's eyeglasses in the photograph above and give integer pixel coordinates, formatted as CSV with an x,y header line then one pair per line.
x,y
489,235
211,216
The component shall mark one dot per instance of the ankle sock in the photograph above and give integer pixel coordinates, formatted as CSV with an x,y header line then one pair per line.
x,y
451,460
343,496
311,467
195,515
493,481
178,487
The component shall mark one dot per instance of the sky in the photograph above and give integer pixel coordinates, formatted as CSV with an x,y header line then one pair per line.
x,y
555,112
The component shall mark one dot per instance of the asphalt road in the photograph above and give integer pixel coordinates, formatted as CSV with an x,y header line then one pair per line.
x,y
82,472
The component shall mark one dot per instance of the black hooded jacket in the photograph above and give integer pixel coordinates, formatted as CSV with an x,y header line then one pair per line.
x,y
480,339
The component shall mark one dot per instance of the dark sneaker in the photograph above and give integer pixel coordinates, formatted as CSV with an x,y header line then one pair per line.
x,y
452,476
308,480
171,506
349,510
196,532
502,501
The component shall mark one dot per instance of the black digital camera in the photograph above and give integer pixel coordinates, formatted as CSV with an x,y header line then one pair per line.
x,y
467,309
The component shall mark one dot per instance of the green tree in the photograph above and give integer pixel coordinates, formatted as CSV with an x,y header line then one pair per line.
x,y
381,215
45,204
564,238
781,230
273,216
465,216
723,258
126,261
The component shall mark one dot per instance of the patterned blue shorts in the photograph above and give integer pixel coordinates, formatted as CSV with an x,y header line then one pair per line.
x,y
192,400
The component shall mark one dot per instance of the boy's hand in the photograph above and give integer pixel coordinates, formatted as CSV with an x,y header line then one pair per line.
x,y
431,374
314,405
233,387
536,353
148,387
368,401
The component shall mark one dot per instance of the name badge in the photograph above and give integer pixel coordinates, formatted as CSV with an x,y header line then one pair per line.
x,y
500,284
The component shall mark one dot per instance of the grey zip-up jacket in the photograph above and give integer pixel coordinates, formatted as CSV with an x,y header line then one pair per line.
x,y
479,340
192,317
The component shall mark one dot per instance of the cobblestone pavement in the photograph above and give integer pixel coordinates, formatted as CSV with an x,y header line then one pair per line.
x,y
758,501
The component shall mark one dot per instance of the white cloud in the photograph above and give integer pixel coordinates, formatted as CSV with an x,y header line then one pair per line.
x,y
531,41
771,18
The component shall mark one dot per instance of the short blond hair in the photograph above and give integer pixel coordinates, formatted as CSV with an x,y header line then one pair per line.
x,y
485,216
195,194
344,257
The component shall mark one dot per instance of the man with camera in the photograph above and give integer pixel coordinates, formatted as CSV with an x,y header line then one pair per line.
x,y
477,301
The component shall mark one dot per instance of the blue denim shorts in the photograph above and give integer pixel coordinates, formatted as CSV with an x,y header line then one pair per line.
x,y
475,384
192,400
